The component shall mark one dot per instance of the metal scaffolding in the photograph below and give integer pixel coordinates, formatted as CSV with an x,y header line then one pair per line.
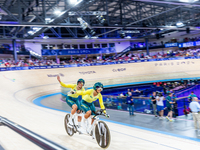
x,y
18,17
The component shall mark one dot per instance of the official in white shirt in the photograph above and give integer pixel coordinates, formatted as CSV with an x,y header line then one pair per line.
x,y
195,108
160,104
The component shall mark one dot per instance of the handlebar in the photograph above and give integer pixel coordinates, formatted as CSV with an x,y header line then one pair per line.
x,y
100,112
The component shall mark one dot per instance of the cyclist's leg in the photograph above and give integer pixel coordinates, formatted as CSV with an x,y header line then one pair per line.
x,y
85,107
93,109
74,107
78,111
72,104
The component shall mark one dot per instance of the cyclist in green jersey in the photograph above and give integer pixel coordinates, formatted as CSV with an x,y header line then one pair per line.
x,y
72,98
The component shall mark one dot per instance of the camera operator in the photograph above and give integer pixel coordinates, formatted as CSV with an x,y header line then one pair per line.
x,y
160,104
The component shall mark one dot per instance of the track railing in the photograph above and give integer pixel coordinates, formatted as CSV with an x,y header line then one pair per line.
x,y
31,136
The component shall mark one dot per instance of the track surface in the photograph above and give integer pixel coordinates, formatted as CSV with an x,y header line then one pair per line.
x,y
20,88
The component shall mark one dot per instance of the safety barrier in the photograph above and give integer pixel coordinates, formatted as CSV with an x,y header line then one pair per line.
x,y
33,137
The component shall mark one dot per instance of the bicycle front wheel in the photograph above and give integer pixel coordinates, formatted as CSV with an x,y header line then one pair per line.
x,y
70,131
102,134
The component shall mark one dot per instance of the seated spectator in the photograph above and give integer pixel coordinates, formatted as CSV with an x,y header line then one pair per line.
x,y
191,96
186,110
132,91
121,94
119,107
128,92
137,91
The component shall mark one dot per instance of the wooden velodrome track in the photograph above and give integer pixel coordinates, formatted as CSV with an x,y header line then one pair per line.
x,y
20,88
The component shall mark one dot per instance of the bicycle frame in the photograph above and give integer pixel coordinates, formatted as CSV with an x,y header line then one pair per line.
x,y
91,126
98,129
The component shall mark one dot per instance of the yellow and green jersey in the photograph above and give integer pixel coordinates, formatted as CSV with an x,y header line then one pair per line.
x,y
89,97
73,87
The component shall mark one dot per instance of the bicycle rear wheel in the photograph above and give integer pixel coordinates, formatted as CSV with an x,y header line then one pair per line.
x,y
70,131
102,134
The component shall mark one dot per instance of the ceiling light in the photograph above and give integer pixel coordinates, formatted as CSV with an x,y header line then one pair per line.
x,y
188,1
57,12
94,37
179,24
30,32
76,2
36,28
45,37
73,1
128,37
47,19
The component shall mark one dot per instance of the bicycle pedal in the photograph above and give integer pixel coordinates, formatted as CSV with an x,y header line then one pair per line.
x,y
91,133
80,132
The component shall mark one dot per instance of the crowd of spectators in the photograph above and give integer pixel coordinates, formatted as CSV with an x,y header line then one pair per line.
x,y
175,86
188,39
26,63
108,58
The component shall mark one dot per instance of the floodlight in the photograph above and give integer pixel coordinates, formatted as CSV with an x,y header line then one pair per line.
x,y
100,19
86,26
122,34
92,32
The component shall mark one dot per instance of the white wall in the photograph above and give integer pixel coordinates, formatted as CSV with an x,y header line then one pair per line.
x,y
37,47
120,46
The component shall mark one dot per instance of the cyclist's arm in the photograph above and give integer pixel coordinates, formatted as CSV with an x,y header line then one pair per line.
x,y
67,85
84,92
101,103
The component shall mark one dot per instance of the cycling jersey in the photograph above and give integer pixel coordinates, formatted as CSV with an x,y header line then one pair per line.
x,y
73,87
89,97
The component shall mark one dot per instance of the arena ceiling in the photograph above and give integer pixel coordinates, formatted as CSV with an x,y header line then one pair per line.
x,y
36,19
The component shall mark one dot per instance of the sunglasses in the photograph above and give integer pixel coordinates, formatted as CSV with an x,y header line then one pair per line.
x,y
80,82
98,87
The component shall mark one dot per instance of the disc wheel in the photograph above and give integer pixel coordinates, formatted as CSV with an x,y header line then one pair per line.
x,y
70,131
104,139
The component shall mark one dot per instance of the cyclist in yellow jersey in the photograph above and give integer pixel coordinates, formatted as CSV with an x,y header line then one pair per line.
x,y
72,98
88,98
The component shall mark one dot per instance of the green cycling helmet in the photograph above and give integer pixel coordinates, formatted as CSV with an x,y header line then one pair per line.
x,y
81,80
98,85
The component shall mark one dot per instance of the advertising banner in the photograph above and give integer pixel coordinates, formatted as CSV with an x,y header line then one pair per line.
x,y
78,51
